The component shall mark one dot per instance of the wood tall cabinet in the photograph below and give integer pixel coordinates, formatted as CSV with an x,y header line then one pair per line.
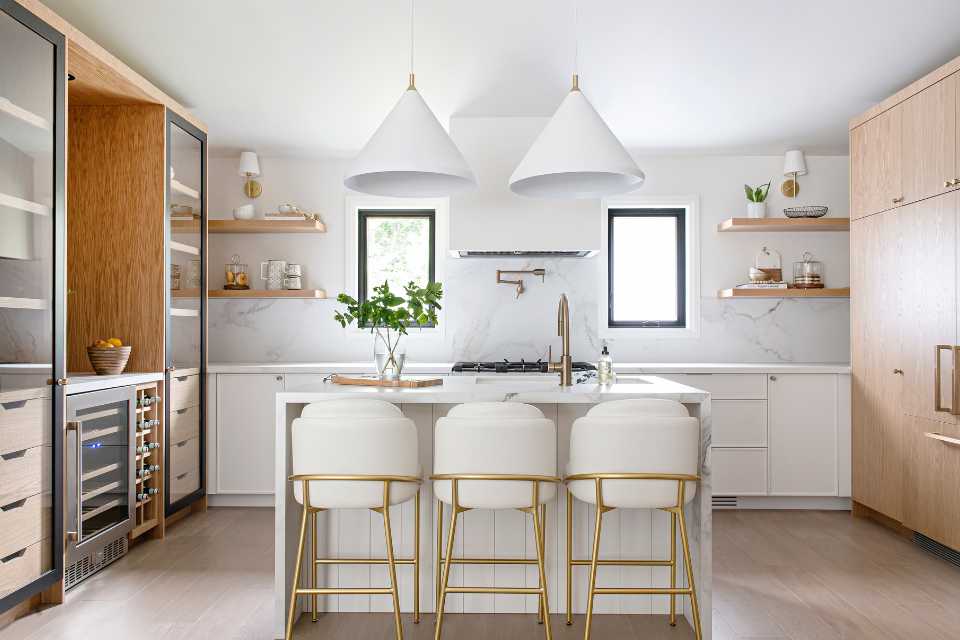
x,y
905,259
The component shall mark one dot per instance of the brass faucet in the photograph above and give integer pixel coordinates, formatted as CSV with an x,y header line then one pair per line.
x,y
565,365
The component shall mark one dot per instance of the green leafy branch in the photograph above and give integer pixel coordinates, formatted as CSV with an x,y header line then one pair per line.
x,y
386,310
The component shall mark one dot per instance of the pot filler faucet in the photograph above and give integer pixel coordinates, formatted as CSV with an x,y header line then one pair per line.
x,y
565,365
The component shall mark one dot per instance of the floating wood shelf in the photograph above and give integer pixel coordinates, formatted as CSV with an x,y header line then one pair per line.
x,y
784,293
182,189
784,224
254,294
22,303
23,129
184,313
184,248
249,226
24,205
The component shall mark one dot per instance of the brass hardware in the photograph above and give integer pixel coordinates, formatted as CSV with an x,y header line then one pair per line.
x,y
948,183
955,182
313,591
576,83
942,438
412,86
535,509
169,369
677,518
898,200
252,188
898,372
62,382
937,395
790,187
565,365
519,283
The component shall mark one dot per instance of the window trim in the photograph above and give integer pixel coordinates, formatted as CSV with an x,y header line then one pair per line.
x,y
691,203
679,215
365,214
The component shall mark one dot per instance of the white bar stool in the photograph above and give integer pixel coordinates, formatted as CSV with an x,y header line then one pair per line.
x,y
634,454
493,455
354,454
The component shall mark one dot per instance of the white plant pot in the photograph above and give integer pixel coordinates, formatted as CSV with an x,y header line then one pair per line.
x,y
756,209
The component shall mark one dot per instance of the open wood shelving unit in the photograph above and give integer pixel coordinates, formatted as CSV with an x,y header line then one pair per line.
x,y
148,516
741,225
253,294
784,293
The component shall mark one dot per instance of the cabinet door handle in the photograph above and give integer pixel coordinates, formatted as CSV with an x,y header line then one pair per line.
x,y
898,372
898,200
773,378
937,395
942,438
16,404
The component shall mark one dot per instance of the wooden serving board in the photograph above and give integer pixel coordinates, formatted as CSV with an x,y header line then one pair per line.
x,y
373,381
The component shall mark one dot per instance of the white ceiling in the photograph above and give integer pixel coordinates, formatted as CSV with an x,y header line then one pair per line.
x,y
315,78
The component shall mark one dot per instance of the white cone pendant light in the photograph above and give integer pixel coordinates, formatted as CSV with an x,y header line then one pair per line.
x,y
576,156
410,154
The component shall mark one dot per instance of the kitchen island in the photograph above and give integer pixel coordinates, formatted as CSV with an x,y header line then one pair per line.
x,y
632,534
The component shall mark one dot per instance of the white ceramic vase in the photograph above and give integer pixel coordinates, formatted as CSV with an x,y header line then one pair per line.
x,y
756,209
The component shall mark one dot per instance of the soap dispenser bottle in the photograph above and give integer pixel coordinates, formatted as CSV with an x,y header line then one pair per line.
x,y
605,373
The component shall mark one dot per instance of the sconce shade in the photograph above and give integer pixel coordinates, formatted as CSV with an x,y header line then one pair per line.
x,y
794,163
410,155
576,156
249,164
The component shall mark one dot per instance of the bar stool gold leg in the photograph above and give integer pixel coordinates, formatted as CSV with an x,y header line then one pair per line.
x,y
416,557
673,568
438,565
541,610
688,566
390,561
593,561
296,568
313,565
446,564
569,557
538,531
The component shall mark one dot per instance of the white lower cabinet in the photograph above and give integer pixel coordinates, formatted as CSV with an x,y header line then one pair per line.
x,y
246,418
739,472
803,434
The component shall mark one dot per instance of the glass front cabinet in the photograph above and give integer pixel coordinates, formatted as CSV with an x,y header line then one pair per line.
x,y
32,304
186,326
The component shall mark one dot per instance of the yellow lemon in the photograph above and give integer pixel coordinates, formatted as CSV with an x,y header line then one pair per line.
x,y
115,342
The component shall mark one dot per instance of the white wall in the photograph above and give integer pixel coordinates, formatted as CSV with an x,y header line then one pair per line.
x,y
483,320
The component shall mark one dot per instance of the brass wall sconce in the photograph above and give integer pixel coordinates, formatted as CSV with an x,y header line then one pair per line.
x,y
794,164
519,283
249,169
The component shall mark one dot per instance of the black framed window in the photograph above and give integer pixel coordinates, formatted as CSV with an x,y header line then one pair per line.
x,y
646,267
395,246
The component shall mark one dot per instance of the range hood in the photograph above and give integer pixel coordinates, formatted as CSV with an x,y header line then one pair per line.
x,y
492,221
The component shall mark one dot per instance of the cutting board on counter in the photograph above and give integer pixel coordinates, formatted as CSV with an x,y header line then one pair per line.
x,y
374,381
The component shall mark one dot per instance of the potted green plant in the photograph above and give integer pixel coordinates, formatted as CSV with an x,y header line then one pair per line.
x,y
388,316
757,200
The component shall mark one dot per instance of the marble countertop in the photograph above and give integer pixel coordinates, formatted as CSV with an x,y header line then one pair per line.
x,y
85,382
503,388
422,368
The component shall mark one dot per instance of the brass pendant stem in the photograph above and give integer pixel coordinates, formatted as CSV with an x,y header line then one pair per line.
x,y
576,83
412,86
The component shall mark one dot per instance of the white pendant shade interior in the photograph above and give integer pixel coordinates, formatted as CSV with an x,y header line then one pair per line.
x,y
410,154
576,156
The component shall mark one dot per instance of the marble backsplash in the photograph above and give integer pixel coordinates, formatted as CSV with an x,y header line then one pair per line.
x,y
484,321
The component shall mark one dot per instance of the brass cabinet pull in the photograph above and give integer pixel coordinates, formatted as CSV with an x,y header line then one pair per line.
x,y
898,372
937,395
898,200
942,438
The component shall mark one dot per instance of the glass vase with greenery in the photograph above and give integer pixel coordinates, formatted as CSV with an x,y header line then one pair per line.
x,y
388,316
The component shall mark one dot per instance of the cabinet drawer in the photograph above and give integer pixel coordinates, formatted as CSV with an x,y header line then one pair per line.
x,y
184,456
184,424
23,523
24,424
24,474
725,386
24,566
739,423
739,472
184,391
183,484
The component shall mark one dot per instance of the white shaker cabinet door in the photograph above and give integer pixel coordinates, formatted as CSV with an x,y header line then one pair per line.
x,y
803,434
246,418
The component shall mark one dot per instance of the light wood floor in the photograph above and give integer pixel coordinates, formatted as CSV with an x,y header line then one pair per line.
x,y
788,575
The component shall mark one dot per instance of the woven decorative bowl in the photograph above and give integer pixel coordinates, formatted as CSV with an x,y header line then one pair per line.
x,y
108,361
805,212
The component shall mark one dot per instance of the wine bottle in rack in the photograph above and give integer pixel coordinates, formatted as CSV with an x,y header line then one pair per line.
x,y
147,447
143,425
147,401
147,468
146,493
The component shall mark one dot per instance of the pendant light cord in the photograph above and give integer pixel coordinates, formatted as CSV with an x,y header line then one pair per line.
x,y
576,48
412,85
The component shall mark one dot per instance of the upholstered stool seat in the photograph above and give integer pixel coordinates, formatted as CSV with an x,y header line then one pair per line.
x,y
354,454
493,455
634,454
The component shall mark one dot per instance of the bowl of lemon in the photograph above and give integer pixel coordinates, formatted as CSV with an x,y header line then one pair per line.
x,y
108,357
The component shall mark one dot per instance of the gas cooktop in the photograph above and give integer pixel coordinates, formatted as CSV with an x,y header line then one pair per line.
x,y
514,366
